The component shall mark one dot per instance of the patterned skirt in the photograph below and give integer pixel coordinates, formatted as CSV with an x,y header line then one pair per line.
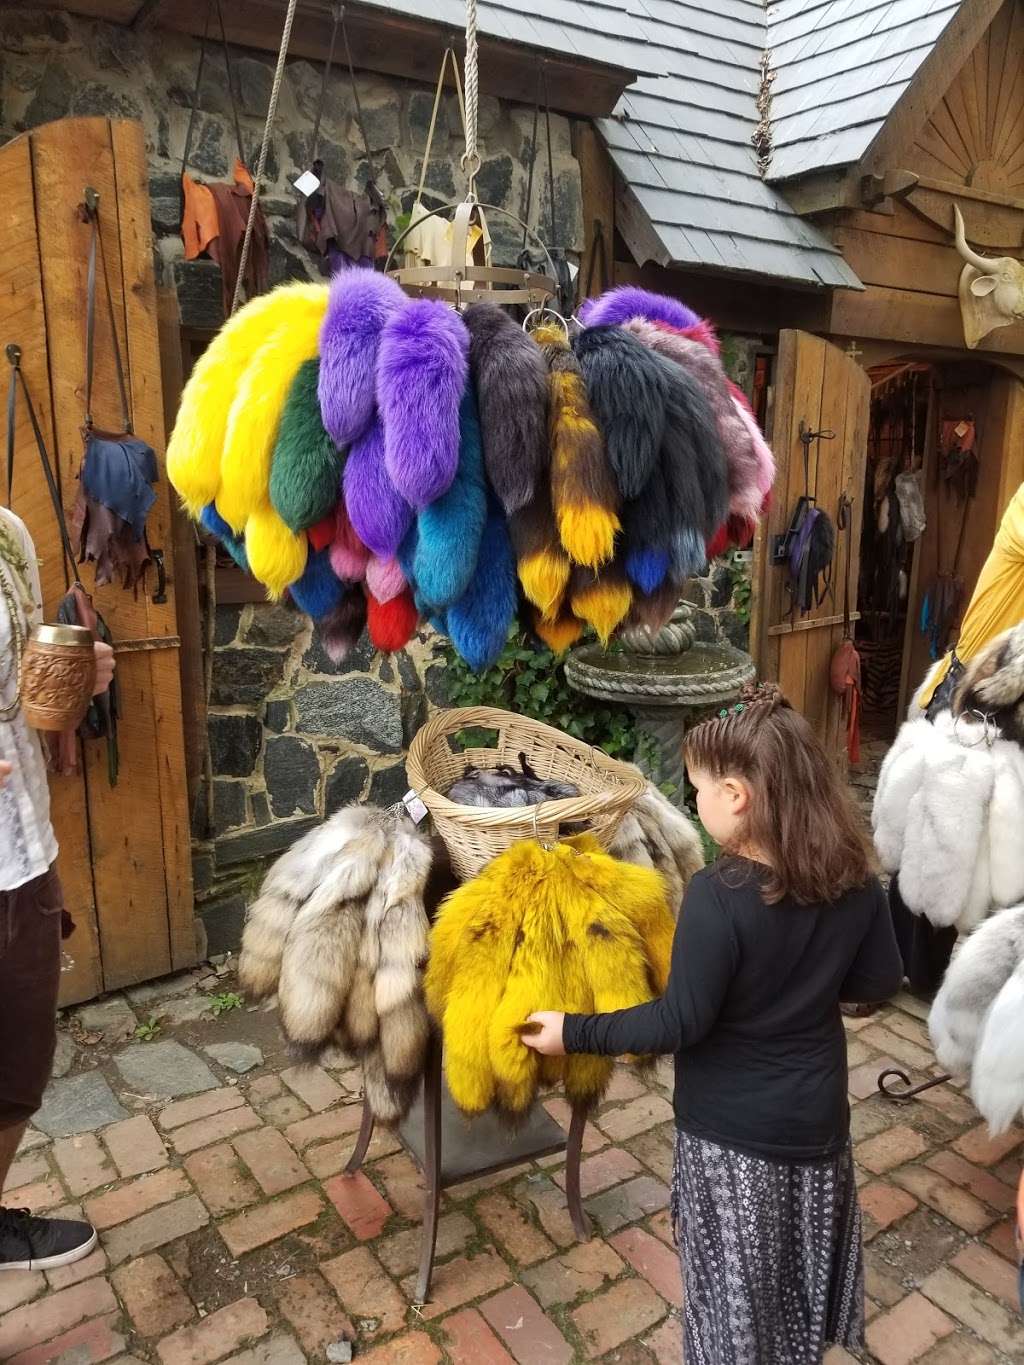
x,y
773,1269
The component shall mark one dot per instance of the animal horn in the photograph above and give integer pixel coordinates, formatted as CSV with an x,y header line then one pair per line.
x,y
982,263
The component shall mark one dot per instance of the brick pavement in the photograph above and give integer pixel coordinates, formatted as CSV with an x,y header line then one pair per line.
x,y
229,1234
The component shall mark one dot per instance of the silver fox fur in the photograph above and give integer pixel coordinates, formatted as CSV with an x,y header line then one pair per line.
x,y
340,932
655,834
997,1078
981,967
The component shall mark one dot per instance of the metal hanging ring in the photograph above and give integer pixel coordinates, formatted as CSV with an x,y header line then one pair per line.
x,y
540,313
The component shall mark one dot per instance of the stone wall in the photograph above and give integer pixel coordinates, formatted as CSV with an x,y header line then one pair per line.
x,y
55,65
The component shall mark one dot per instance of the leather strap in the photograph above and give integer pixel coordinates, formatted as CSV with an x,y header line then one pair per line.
x,y
17,374
448,52
91,210
845,523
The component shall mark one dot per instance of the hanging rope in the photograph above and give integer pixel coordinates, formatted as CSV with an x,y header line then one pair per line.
x,y
471,157
261,165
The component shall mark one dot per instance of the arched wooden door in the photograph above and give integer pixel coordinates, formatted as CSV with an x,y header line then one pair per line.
x,y
125,854
819,389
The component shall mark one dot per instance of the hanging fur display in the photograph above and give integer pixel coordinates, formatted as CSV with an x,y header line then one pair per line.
x,y
322,533
379,514
616,306
479,622
319,591
256,410
213,522
339,932
946,817
422,368
349,556
541,560
391,624
195,445
602,599
360,303
655,834
654,610
626,388
306,465
977,1019
384,578
558,635
566,928
276,554
993,684
448,532
648,533
584,495
339,631
511,383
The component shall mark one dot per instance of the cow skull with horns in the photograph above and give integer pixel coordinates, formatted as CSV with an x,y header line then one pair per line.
x,y
991,289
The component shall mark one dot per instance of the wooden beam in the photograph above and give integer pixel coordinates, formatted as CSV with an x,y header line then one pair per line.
x,y
389,43
144,15
636,229
934,76
597,184
821,192
901,315
733,303
993,225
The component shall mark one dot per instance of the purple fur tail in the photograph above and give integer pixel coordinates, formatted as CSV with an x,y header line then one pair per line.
x,y
627,301
380,516
359,304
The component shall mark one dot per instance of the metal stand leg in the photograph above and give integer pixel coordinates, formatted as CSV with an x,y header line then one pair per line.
x,y
907,1094
573,1153
355,1161
432,1088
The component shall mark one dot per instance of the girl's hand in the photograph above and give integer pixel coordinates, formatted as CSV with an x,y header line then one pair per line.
x,y
548,1035
104,667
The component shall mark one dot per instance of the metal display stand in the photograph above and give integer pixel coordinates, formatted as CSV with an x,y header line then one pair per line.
x,y
448,1151
884,1088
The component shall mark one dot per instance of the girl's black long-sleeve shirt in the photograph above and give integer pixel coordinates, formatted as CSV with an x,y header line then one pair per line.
x,y
752,1013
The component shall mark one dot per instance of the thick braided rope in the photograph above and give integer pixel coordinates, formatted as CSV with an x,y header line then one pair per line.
x,y
261,164
471,157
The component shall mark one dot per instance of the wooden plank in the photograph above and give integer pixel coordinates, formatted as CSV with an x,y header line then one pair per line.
x,y
147,399
858,419
896,262
125,820
597,187
901,315
23,320
992,226
833,620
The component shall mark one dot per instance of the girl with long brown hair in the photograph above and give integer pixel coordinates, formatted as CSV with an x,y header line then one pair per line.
x,y
789,922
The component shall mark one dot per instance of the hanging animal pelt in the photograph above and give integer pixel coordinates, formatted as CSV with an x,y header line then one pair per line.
x,y
627,302
422,368
384,578
570,926
339,631
256,409
212,521
655,834
541,560
319,591
305,468
647,530
349,556
627,391
323,532
448,532
277,554
559,634
479,622
380,516
654,610
197,441
511,383
360,303
339,931
993,684
391,624
602,598
584,495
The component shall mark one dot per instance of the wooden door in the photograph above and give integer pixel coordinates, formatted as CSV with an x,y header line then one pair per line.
x,y
125,855
819,388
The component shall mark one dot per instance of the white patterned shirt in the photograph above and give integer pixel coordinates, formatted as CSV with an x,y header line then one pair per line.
x,y
27,842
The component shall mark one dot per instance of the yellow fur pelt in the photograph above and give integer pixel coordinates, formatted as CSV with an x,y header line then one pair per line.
x,y
256,405
567,928
339,932
197,441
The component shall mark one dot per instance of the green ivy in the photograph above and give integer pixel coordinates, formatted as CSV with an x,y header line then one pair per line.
x,y
741,585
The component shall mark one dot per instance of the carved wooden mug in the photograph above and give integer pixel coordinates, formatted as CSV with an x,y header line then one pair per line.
x,y
58,674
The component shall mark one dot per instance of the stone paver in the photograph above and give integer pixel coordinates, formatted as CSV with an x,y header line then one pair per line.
x,y
230,1236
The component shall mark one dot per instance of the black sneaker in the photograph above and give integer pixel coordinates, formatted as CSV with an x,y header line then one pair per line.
x,y
28,1243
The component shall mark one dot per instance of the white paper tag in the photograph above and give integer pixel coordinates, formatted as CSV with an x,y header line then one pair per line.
x,y
417,810
307,183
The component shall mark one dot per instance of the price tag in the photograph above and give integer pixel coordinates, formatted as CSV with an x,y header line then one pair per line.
x,y
417,810
307,183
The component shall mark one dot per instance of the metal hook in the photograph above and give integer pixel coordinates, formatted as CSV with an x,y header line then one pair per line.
x,y
540,312
13,351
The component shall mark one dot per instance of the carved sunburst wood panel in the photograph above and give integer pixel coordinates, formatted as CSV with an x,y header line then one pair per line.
x,y
976,135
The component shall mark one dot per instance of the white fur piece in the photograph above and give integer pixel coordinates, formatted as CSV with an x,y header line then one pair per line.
x,y
898,781
399,921
1006,827
997,1077
655,834
980,968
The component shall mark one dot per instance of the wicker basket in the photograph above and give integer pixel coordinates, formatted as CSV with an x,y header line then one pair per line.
x,y
474,835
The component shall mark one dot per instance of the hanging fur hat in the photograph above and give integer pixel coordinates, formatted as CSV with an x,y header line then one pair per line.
x,y
349,556
212,521
277,554
479,622
570,926
448,532
360,303
197,441
379,514
627,395
584,495
384,578
391,624
257,406
339,631
339,931
993,684
422,368
602,598
319,591
541,561
619,305
305,469
511,383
